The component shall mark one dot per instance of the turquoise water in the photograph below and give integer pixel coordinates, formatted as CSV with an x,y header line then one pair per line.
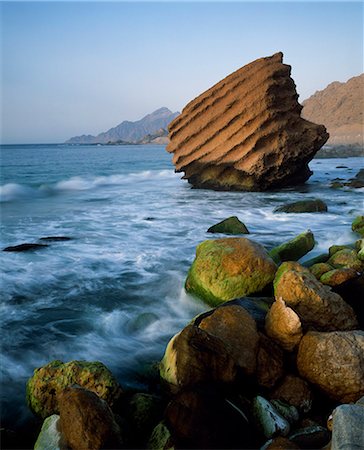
x,y
114,293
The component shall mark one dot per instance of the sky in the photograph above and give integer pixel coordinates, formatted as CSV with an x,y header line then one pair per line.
x,y
71,68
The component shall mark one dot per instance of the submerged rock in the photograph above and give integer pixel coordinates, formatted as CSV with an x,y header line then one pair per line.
x,y
24,247
303,206
231,225
229,268
358,225
87,421
334,362
48,381
294,249
246,133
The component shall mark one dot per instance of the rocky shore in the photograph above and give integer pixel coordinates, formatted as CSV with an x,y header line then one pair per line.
x,y
276,361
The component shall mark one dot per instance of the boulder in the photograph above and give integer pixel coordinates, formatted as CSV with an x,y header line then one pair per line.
x,y
303,206
346,258
334,362
294,249
319,269
212,348
231,225
338,276
283,325
358,225
295,392
229,268
268,420
50,437
48,381
335,248
246,133
270,362
315,304
87,421
347,427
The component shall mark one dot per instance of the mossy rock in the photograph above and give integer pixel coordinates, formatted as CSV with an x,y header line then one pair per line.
x,y
303,206
359,245
346,258
336,277
231,225
336,248
319,269
229,268
358,225
294,249
161,438
48,381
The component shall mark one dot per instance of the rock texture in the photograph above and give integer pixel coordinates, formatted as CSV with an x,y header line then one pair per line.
x,y
246,132
340,108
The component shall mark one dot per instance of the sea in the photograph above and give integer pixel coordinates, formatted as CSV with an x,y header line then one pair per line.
x,y
115,291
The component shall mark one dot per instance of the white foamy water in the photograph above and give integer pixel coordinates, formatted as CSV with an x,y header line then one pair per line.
x,y
114,293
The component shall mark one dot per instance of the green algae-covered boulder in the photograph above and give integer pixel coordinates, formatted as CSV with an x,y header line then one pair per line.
x,y
359,245
346,258
336,277
48,381
336,248
358,225
303,206
231,225
319,269
294,249
229,268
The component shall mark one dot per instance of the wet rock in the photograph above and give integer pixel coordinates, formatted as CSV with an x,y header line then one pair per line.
x,y
315,304
294,249
294,391
161,438
50,437
303,206
229,268
338,276
268,420
87,421
279,443
347,427
48,381
246,133
319,269
335,248
205,418
360,249
346,258
283,325
358,225
55,238
334,362
289,412
311,437
212,348
357,181
231,225
24,247
270,362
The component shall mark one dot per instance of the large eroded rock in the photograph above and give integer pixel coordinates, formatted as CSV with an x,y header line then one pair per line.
x,y
246,132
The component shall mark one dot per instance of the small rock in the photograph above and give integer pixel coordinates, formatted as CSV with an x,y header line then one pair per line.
x,y
231,225
334,362
338,276
312,437
319,269
289,412
303,207
294,391
294,249
24,247
161,438
50,437
268,420
335,248
358,225
283,325
346,258
87,421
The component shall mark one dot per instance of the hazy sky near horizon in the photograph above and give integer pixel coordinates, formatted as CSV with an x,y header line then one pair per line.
x,y
71,68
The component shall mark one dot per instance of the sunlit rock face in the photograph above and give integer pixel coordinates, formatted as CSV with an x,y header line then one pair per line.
x,y
246,132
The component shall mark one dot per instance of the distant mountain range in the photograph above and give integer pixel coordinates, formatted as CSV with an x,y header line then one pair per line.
x,y
150,129
340,108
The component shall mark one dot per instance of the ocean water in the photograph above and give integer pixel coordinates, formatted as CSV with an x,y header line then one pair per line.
x,y
114,293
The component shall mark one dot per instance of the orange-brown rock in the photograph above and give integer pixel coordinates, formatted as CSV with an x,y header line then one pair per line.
x,y
246,132
294,391
270,362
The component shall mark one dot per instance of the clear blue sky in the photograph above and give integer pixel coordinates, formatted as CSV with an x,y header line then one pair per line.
x,y
72,68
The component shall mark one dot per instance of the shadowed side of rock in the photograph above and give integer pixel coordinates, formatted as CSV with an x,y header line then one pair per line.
x,y
246,132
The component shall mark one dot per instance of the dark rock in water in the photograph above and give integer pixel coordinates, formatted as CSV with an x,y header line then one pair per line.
x,y
24,247
231,225
246,132
48,381
311,437
294,249
55,238
205,418
357,181
322,258
87,421
304,206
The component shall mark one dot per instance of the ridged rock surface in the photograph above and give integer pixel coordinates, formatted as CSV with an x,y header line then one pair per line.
x,y
246,132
